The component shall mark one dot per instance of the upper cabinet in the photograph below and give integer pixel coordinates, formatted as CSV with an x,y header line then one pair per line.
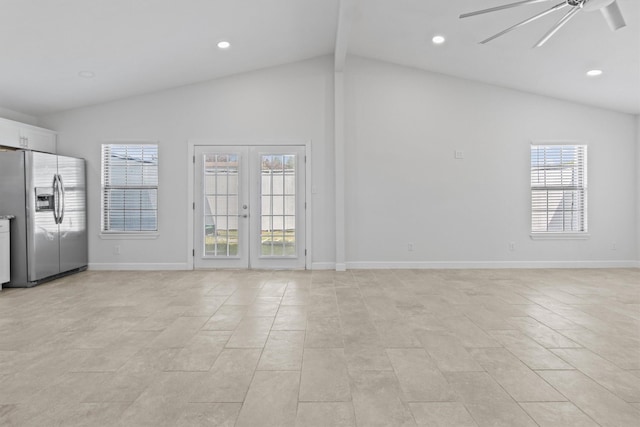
x,y
22,136
38,139
9,133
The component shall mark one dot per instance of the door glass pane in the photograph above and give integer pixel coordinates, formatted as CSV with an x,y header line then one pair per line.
x,y
277,205
289,205
277,235
220,204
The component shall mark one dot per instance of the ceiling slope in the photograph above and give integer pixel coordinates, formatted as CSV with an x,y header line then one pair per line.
x,y
141,46
400,31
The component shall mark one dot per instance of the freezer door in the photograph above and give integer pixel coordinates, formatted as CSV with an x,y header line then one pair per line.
x,y
43,240
73,214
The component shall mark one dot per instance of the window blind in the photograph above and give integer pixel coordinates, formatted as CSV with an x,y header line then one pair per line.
x,y
129,187
558,188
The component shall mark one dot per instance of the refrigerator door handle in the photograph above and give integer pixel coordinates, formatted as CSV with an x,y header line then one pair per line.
x,y
56,197
61,190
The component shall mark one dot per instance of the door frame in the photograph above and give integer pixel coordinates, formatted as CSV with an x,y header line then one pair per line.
x,y
191,149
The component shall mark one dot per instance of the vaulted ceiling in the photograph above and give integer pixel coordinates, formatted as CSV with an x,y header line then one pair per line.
x,y
139,46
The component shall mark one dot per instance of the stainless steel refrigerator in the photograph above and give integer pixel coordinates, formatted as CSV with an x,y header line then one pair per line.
x,y
47,195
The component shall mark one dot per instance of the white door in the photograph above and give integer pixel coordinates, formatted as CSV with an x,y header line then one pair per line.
x,y
249,207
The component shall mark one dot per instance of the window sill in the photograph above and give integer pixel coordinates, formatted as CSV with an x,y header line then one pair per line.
x,y
560,236
130,236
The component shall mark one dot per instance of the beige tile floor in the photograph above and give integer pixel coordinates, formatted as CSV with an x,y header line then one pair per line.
x,y
361,348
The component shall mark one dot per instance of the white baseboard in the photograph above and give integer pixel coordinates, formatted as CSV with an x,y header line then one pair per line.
x,y
323,265
139,266
372,265
400,265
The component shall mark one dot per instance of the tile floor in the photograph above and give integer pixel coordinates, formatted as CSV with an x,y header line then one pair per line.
x,y
361,348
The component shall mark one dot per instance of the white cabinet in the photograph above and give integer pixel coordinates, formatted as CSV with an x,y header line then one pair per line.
x,y
5,275
9,134
38,139
27,137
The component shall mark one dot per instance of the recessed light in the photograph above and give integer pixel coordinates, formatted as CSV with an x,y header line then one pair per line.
x,y
438,39
594,73
87,74
224,44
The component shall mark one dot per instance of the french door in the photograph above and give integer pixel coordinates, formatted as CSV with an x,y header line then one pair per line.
x,y
249,207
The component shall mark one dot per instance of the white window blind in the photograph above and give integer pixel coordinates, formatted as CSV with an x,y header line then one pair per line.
x,y
558,188
129,188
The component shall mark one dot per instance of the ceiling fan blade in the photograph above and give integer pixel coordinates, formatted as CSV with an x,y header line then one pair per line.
x,y
613,15
566,18
504,6
526,21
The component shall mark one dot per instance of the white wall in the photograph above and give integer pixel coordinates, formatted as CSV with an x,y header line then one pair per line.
x,y
6,113
638,188
403,184
292,102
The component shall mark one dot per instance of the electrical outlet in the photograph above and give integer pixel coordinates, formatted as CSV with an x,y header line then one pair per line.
x,y
459,154
410,247
116,250
614,246
512,246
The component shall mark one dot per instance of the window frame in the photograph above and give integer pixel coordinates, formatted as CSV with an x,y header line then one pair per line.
x,y
561,235
128,234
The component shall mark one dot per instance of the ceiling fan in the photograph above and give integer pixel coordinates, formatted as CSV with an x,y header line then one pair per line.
x,y
609,8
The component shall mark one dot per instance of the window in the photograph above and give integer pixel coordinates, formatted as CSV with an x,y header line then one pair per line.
x,y
129,188
558,189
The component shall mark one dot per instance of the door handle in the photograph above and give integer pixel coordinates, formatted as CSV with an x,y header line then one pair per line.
x,y
56,197
61,198
243,216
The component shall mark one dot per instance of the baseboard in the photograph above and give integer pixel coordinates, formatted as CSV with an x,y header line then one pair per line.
x,y
323,265
400,265
139,266
372,265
